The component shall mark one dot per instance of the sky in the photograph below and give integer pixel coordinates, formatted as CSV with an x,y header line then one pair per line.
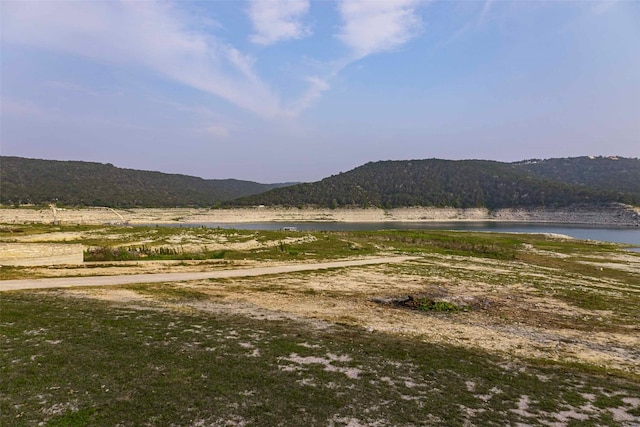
x,y
290,91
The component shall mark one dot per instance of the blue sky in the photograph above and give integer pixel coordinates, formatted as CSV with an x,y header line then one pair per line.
x,y
276,91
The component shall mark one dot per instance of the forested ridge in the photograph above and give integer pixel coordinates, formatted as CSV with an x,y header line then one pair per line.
x,y
604,173
468,184
388,184
95,184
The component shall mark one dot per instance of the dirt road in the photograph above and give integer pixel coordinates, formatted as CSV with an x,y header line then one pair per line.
x,y
69,282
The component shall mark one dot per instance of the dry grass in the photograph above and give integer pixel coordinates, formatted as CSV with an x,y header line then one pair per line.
x,y
552,335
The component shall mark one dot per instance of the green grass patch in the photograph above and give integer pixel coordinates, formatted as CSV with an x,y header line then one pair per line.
x,y
427,304
440,306
120,243
589,299
71,361
8,272
148,253
486,245
72,418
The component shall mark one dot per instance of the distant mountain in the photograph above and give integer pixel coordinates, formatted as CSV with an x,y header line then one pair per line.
x,y
467,184
95,184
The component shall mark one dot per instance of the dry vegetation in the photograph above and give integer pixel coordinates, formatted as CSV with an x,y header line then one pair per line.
x,y
555,320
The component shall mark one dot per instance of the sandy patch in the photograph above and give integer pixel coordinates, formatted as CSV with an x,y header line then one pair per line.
x,y
329,362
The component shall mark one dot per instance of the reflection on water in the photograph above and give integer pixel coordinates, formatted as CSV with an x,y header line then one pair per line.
x,y
627,235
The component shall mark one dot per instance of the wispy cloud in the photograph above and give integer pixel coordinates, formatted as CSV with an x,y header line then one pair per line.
x,y
211,122
10,107
216,130
164,38
32,111
486,8
72,87
316,87
155,35
277,20
368,27
477,19
602,6
376,26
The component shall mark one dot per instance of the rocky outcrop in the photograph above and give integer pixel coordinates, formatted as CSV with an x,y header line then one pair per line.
x,y
31,254
608,215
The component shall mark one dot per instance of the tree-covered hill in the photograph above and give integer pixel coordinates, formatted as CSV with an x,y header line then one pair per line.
x,y
95,184
433,182
604,173
446,183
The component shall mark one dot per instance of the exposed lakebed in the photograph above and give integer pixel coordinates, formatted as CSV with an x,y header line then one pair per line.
x,y
626,235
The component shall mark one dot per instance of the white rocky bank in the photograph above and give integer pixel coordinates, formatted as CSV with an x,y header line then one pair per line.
x,y
609,215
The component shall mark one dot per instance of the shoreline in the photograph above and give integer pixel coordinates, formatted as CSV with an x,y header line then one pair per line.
x,y
611,215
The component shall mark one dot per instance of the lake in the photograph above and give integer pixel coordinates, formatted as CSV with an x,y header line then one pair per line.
x,y
629,235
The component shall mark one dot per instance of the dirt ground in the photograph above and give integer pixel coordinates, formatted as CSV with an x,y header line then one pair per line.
x,y
509,314
510,319
174,276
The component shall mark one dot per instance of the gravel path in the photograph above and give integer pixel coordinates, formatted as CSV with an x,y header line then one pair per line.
x,y
69,282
